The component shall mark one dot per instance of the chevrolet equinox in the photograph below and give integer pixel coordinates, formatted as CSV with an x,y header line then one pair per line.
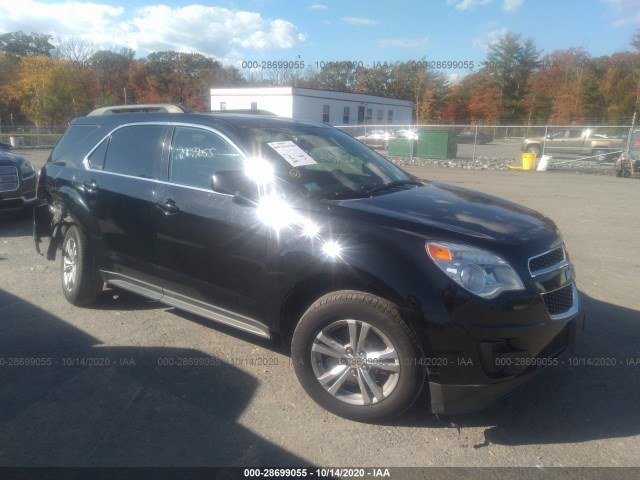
x,y
379,283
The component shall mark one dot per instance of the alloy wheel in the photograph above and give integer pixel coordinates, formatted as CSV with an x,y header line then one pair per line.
x,y
355,362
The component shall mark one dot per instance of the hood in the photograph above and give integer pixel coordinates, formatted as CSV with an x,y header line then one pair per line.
x,y
458,210
11,159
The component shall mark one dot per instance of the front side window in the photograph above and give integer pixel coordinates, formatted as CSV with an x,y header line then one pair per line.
x,y
197,155
134,150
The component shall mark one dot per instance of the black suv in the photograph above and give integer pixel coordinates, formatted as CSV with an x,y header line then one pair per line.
x,y
379,283
17,182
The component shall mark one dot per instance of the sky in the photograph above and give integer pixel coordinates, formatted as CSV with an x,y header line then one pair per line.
x,y
316,31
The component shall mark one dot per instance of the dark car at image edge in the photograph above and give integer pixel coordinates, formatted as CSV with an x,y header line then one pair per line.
x,y
379,283
17,183
470,136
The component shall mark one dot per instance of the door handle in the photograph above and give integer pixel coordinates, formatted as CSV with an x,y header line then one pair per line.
x,y
90,186
168,207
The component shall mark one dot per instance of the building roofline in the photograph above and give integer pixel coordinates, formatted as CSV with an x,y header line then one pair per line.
x,y
290,90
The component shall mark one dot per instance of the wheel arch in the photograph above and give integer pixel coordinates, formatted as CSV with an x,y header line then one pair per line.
x,y
310,288
76,211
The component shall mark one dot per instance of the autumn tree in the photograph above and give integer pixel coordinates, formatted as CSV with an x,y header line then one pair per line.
x,y
13,47
50,91
111,75
485,100
183,77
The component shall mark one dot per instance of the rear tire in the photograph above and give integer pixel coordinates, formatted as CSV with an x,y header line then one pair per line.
x,y
81,282
356,357
601,155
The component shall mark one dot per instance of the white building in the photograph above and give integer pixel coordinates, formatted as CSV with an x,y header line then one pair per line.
x,y
334,108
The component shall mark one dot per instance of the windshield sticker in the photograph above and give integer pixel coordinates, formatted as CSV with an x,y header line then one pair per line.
x,y
312,187
292,153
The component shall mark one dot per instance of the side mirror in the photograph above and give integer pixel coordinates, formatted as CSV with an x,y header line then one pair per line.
x,y
236,183
548,137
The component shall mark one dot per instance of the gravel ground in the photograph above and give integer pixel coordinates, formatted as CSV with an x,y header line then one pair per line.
x,y
501,163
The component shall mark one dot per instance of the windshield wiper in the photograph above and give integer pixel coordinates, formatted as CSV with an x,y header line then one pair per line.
x,y
342,195
390,185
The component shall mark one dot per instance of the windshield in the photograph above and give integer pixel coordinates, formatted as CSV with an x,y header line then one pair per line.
x,y
323,162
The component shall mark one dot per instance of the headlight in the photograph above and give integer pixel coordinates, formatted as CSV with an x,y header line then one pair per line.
x,y
477,271
26,169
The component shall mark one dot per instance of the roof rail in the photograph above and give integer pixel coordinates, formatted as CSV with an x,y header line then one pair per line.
x,y
146,107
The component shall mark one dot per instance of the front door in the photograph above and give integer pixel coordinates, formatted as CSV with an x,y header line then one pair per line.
x,y
210,252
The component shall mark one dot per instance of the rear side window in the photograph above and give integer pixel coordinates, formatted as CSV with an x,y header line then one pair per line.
x,y
134,150
72,137
96,158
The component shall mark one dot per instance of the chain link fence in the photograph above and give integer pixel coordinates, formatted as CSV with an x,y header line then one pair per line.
x,y
31,136
565,147
592,147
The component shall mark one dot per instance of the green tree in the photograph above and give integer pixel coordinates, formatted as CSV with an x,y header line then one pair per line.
x,y
510,61
20,44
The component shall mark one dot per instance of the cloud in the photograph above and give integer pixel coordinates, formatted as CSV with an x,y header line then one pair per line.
x,y
402,42
511,5
213,31
626,12
359,21
318,6
490,38
468,4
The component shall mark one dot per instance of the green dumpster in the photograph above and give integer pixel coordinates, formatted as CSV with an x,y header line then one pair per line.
x,y
401,147
433,144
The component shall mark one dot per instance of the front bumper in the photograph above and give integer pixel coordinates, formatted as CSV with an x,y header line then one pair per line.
x,y
458,399
16,204
20,198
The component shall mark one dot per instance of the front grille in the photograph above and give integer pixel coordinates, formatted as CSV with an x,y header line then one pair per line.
x,y
559,301
8,179
546,261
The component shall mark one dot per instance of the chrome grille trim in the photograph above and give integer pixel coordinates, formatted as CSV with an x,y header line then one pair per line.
x,y
8,179
556,296
539,265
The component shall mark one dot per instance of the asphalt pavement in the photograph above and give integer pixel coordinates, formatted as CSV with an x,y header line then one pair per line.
x,y
131,382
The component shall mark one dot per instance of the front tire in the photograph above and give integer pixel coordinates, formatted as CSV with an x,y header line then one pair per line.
x,y
356,357
81,282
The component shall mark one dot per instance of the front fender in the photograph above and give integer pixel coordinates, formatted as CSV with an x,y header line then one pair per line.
x,y
396,268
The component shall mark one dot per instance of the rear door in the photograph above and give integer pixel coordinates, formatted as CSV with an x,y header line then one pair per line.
x,y
119,185
210,251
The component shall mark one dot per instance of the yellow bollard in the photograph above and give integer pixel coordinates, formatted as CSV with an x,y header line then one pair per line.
x,y
528,161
